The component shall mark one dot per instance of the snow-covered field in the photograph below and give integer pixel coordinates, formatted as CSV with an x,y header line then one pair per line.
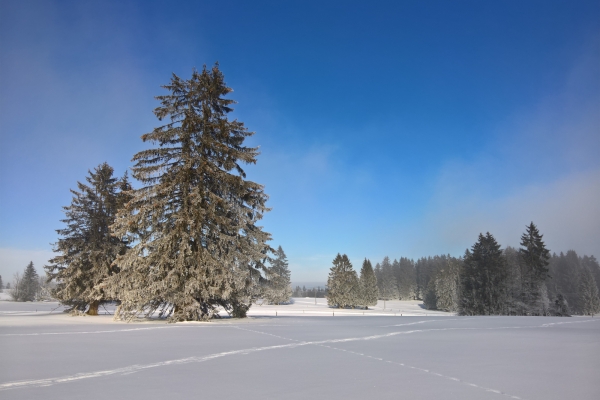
x,y
303,353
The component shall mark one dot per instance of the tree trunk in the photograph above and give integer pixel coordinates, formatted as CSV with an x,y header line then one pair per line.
x,y
93,309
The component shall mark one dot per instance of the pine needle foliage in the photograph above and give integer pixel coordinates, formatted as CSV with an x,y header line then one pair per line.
x,y
342,284
86,247
483,279
535,256
277,288
588,293
194,221
368,285
28,286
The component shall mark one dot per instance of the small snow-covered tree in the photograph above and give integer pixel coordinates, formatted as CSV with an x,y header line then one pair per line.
x,y
87,248
197,245
368,285
588,293
16,287
1,284
561,306
342,284
28,285
277,288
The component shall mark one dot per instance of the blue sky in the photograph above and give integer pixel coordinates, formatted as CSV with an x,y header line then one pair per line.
x,y
386,128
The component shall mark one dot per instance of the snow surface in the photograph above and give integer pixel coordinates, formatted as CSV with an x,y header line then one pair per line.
x,y
315,355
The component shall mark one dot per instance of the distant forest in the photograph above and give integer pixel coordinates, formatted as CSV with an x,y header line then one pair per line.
x,y
487,280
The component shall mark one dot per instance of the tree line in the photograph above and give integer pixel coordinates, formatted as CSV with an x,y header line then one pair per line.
x,y
187,242
486,280
317,292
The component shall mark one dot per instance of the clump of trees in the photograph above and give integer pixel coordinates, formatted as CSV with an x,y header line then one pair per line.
x,y
185,243
346,289
489,280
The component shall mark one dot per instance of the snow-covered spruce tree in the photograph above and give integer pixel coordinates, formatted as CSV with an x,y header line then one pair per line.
x,y
588,293
197,245
28,285
483,279
447,286
368,285
1,284
342,284
561,306
535,258
388,289
86,248
277,288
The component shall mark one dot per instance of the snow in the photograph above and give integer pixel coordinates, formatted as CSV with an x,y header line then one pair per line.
x,y
48,354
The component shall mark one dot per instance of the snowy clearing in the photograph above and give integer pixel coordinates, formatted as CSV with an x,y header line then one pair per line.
x,y
50,355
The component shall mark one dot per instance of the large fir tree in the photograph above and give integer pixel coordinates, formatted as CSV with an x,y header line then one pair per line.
x,y
194,221
87,249
484,279
342,284
277,288
535,258
368,285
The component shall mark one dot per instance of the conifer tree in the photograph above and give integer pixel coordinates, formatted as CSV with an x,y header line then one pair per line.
x,y
447,284
86,247
1,283
389,286
535,258
406,280
342,283
588,293
368,285
28,285
278,288
194,221
484,279
561,306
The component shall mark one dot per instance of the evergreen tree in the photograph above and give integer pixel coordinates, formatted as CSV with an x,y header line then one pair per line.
x,y
430,298
588,293
566,279
28,285
194,221
447,284
484,279
406,280
278,288
561,306
1,283
535,258
342,284
389,286
368,285
87,248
